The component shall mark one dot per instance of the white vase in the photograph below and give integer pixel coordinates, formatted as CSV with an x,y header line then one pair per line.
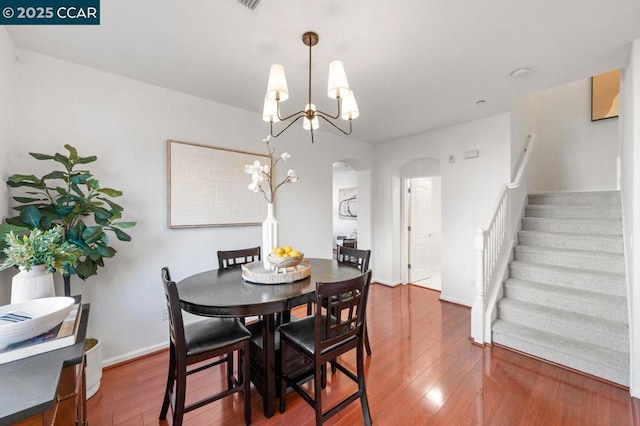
x,y
269,235
93,369
33,284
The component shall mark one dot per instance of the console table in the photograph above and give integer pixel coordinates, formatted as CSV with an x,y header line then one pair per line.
x,y
48,388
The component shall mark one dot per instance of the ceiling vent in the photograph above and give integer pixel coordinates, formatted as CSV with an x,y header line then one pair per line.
x,y
250,4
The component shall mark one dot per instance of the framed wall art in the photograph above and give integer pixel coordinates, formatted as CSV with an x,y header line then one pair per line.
x,y
207,186
348,203
605,94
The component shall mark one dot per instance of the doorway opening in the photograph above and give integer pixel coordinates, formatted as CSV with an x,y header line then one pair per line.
x,y
421,243
424,232
345,205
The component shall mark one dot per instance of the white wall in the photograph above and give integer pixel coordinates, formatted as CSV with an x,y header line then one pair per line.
x,y
126,124
630,183
469,189
523,123
342,226
7,84
572,152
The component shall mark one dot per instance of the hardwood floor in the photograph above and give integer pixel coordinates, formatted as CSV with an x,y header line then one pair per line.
x,y
423,370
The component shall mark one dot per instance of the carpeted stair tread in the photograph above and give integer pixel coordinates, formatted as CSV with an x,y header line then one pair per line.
x,y
587,259
564,240
573,198
603,305
592,226
573,211
592,359
594,281
560,316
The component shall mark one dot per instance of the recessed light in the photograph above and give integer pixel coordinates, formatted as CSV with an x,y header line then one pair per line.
x,y
520,73
481,102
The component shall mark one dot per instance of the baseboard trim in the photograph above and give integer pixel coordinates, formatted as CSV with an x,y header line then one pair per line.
x,y
635,392
388,283
564,367
454,301
134,355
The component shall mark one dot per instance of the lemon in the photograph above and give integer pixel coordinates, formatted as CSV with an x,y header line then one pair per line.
x,y
287,249
280,251
294,253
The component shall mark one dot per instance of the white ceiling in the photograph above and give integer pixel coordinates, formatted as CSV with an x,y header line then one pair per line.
x,y
414,65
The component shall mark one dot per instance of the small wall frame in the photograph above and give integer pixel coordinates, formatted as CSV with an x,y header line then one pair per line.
x,y
207,186
605,94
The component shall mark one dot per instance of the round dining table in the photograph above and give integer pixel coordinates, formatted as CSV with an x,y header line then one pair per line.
x,y
224,293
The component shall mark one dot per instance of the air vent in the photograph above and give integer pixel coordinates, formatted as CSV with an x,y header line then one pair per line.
x,y
251,4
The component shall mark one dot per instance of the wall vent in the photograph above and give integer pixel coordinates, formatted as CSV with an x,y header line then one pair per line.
x,y
250,4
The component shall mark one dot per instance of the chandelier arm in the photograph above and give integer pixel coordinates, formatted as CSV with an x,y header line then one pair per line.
x,y
288,116
329,115
334,125
288,125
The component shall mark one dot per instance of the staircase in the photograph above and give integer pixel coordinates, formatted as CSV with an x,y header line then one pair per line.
x,y
565,299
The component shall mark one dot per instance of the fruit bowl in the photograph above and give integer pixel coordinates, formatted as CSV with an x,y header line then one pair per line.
x,y
284,262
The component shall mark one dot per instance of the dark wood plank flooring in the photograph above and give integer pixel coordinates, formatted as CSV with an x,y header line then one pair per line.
x,y
423,370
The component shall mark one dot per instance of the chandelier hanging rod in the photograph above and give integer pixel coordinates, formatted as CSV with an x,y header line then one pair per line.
x,y
338,88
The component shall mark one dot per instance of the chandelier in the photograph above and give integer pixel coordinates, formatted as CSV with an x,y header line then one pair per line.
x,y
338,89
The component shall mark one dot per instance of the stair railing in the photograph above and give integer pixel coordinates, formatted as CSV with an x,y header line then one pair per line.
x,y
494,244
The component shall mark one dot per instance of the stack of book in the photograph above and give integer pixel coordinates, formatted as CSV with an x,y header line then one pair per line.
x,y
64,334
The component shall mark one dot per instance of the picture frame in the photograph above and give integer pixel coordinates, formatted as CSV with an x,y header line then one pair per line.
x,y
605,94
348,203
207,187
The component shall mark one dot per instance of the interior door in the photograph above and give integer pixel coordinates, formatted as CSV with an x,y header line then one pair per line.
x,y
420,233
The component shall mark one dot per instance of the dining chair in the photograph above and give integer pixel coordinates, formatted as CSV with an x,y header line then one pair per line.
x,y
350,242
360,259
323,337
231,258
197,342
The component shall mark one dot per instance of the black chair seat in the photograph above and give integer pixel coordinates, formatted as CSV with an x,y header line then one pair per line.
x,y
213,333
302,333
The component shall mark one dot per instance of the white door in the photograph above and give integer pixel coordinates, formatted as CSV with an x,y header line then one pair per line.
x,y
420,233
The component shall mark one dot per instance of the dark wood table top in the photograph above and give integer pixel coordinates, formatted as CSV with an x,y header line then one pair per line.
x,y
223,292
29,385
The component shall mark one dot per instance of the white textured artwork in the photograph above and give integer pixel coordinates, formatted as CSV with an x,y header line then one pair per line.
x,y
208,187
348,203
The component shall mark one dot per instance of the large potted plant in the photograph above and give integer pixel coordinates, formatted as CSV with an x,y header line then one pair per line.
x,y
37,254
73,198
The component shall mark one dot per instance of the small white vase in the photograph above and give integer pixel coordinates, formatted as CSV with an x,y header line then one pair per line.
x,y
269,235
33,284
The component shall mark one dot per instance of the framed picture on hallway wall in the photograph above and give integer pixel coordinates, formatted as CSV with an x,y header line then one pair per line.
x,y
605,95
207,186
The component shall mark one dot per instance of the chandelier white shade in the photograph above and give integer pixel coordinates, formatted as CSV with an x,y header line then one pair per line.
x,y
337,88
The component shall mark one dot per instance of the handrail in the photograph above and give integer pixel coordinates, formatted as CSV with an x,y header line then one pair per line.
x,y
491,242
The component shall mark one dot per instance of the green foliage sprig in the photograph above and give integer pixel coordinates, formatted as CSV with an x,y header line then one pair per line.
x,y
39,247
74,199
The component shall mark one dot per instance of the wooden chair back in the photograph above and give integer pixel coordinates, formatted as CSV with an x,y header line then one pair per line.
x,y
347,303
352,256
176,324
231,258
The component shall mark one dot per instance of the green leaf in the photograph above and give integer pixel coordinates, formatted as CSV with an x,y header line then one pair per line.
x,y
124,224
55,175
17,181
16,221
122,236
80,178
73,153
28,199
77,190
86,160
64,211
114,206
79,243
31,216
41,156
92,234
101,213
45,222
63,160
110,192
